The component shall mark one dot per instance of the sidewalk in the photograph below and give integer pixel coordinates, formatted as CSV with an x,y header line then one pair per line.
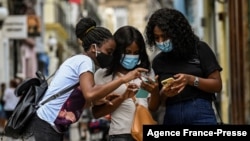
x,y
74,135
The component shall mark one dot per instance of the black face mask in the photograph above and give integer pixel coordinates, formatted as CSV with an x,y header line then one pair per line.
x,y
104,60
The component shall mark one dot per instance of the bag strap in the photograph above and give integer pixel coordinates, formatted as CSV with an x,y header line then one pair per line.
x,y
219,119
40,75
65,90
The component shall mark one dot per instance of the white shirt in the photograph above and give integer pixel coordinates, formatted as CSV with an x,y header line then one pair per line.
x,y
10,99
122,117
55,111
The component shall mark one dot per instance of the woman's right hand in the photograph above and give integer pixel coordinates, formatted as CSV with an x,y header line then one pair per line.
x,y
130,91
136,73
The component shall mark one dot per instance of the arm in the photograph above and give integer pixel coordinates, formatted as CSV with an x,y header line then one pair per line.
x,y
116,100
94,92
104,109
211,84
152,87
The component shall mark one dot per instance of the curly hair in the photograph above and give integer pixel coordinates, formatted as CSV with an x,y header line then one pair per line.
x,y
175,26
124,37
87,31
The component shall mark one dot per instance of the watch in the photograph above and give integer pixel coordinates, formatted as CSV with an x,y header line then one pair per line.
x,y
196,81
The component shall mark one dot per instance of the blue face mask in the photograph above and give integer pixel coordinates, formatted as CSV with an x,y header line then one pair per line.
x,y
165,46
130,61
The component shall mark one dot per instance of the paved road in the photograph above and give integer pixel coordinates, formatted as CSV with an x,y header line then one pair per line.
x,y
74,135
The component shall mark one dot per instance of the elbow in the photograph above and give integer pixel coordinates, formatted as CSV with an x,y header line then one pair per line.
x,y
95,113
89,97
154,108
219,88
99,111
154,103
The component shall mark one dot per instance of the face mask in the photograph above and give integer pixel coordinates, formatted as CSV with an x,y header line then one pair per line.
x,y
103,59
165,46
130,61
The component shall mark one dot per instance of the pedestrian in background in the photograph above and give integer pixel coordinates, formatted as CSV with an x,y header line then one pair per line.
x,y
3,87
191,63
54,118
2,112
10,99
130,53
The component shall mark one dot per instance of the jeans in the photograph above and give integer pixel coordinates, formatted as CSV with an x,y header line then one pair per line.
x,y
121,137
191,112
43,131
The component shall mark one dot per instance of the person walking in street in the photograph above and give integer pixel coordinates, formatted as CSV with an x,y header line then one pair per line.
x,y
10,99
192,64
129,55
54,118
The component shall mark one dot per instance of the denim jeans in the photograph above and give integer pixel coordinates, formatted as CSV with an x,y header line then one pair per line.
x,y
42,131
121,137
191,112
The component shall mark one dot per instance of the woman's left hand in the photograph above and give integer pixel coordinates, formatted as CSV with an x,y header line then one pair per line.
x,y
181,80
151,85
106,100
169,90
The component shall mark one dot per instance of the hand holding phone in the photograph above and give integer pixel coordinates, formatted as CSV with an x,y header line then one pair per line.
x,y
167,81
147,78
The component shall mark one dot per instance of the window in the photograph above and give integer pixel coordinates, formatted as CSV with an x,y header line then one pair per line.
x,y
121,17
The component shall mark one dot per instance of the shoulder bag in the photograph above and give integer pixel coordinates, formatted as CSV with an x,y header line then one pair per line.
x,y
142,117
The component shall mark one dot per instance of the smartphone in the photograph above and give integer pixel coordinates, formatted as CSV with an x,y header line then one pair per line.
x,y
141,93
167,81
144,79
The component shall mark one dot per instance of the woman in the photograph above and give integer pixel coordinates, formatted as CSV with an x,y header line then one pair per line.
x,y
10,99
190,62
54,117
129,55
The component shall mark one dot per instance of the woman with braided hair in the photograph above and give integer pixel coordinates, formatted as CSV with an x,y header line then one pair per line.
x,y
192,64
54,117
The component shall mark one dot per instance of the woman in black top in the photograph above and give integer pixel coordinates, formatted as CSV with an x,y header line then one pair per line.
x,y
190,62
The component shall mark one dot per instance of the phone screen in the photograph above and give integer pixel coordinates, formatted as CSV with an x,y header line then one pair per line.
x,y
141,93
144,79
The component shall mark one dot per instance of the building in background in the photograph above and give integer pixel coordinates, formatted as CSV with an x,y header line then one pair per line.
x,y
115,14
4,45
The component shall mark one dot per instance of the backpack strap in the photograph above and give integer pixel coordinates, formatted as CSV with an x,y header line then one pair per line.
x,y
65,90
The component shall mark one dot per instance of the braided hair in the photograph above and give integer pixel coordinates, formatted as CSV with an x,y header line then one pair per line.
x,y
175,26
87,31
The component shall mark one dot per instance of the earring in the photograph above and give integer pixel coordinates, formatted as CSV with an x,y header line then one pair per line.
x,y
139,62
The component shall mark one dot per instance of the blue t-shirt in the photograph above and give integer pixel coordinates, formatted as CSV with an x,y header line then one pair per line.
x,y
66,109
